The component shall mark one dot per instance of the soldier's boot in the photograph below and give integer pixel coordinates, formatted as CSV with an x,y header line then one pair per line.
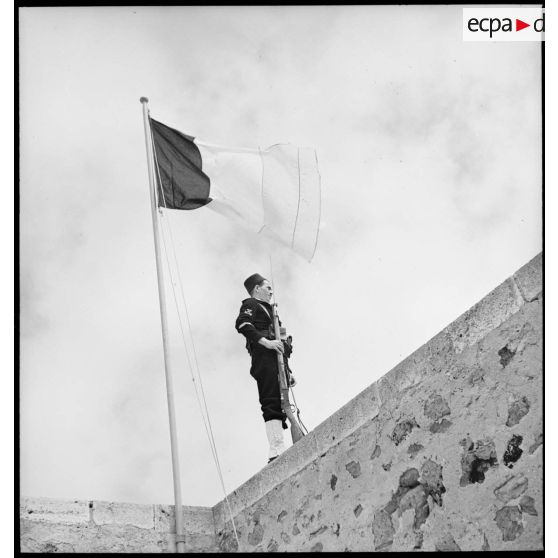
x,y
274,431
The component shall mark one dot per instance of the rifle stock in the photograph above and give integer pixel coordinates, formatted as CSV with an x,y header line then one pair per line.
x,y
296,430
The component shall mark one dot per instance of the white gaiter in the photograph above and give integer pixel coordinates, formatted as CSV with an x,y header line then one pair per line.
x,y
274,431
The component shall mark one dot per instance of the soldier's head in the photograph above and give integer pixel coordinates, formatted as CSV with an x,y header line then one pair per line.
x,y
259,287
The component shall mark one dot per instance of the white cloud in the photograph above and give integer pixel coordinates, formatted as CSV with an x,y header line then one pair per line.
x,y
429,152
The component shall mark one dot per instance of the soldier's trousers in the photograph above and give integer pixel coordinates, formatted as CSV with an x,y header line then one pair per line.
x,y
265,371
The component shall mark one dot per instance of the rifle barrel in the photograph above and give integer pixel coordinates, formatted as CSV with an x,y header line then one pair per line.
x,y
296,431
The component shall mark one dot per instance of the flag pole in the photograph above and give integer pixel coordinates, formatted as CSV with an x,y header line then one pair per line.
x,y
180,537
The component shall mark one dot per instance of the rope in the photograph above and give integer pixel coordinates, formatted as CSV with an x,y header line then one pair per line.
x,y
262,191
320,207
205,416
298,411
271,273
298,203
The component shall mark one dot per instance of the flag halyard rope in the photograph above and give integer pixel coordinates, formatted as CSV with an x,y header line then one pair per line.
x,y
320,203
298,203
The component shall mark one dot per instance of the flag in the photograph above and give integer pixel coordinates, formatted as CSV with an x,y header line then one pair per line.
x,y
273,191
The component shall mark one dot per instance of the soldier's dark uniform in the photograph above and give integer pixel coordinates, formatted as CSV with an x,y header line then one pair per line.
x,y
255,320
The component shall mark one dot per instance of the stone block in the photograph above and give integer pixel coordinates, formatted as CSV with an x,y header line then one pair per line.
x,y
509,522
358,411
433,357
196,519
289,462
527,505
512,488
382,530
529,279
199,519
436,407
408,373
115,513
163,518
241,498
285,466
55,511
485,316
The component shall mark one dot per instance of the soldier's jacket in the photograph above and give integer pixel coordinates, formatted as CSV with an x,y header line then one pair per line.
x,y
255,320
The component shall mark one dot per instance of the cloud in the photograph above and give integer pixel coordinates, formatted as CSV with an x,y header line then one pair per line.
x,y
418,144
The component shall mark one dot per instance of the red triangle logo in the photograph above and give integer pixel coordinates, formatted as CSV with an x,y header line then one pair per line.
x,y
519,25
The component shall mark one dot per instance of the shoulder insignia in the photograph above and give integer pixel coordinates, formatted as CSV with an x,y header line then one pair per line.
x,y
248,311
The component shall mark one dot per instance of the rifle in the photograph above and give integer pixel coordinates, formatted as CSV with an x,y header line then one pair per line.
x,y
296,430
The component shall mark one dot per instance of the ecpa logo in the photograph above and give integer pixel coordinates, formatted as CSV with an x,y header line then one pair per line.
x,y
503,24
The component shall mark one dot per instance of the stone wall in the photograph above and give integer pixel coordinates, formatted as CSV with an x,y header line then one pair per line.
x,y
49,525
444,452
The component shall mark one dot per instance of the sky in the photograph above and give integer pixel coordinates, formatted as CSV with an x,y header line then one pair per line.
x,y
429,150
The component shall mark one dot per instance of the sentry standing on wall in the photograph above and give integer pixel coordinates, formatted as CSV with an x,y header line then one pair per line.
x,y
256,322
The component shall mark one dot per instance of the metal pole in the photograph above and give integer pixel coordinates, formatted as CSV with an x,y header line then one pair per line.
x,y
180,538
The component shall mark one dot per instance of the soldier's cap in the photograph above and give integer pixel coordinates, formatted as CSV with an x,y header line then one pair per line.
x,y
252,281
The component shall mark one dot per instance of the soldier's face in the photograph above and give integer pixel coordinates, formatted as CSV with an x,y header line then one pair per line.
x,y
264,291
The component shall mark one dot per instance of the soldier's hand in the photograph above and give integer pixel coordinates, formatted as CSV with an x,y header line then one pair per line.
x,y
272,344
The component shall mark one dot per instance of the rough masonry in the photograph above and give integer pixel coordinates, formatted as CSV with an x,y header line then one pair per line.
x,y
444,452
